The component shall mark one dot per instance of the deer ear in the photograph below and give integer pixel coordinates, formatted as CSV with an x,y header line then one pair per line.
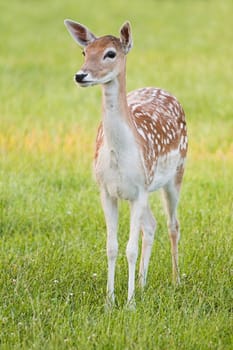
x,y
79,32
126,37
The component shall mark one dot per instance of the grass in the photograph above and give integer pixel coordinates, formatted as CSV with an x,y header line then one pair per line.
x,y
52,231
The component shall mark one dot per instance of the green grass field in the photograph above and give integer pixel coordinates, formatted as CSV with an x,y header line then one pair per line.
x,y
52,231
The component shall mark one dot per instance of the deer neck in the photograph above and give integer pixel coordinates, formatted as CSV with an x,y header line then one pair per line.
x,y
117,123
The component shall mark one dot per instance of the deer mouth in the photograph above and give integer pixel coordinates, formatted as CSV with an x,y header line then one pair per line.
x,y
83,81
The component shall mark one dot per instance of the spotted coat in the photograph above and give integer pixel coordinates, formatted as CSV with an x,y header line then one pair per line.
x,y
160,126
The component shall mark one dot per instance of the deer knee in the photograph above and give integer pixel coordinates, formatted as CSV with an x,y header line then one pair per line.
x,y
112,250
148,237
148,229
132,252
152,225
174,230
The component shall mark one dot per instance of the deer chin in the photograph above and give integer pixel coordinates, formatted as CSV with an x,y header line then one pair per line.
x,y
106,79
103,81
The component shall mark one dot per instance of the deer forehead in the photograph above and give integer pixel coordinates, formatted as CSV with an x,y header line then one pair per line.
x,y
102,44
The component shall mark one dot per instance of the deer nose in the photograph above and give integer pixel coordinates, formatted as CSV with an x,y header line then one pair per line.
x,y
79,77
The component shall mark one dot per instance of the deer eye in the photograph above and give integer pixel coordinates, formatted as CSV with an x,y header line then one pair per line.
x,y
110,54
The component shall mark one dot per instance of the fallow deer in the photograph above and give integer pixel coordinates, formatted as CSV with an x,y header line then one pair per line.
x,y
141,147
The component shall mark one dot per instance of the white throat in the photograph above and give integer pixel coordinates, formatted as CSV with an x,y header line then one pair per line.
x,y
115,115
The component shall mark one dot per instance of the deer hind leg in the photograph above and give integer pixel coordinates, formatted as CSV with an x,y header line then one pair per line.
x,y
148,232
110,209
171,196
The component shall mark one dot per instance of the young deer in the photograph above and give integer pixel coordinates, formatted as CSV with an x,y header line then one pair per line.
x,y
141,146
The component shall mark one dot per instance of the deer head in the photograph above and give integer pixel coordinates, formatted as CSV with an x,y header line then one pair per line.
x,y
104,56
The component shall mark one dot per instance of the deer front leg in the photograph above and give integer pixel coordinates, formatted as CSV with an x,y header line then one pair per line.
x,y
137,208
110,209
